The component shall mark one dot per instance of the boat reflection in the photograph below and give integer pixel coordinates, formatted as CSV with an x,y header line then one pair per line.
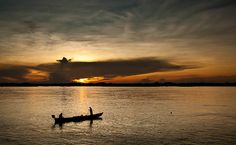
x,y
60,125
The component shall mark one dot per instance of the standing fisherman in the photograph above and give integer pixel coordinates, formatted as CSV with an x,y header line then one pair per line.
x,y
91,111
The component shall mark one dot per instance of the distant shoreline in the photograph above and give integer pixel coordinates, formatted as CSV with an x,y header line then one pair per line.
x,y
166,84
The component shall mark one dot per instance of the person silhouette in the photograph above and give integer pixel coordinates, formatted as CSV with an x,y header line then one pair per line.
x,y
91,111
60,116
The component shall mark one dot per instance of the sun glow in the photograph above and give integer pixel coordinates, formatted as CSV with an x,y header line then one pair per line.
x,y
36,75
88,80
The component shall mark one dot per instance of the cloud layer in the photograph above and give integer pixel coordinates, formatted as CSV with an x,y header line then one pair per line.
x,y
61,73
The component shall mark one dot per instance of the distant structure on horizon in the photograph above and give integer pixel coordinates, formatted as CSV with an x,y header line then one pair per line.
x,y
64,60
60,75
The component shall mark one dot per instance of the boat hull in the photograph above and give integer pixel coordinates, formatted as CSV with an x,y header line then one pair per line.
x,y
78,118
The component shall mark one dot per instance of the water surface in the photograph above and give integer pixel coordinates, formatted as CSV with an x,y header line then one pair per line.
x,y
132,115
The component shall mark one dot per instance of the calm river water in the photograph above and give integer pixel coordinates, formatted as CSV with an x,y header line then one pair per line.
x,y
132,115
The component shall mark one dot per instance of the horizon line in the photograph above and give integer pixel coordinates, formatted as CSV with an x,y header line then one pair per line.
x,y
153,84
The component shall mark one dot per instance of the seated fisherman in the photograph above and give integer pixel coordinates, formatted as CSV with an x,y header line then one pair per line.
x,y
60,116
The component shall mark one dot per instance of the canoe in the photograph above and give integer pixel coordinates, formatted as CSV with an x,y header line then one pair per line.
x,y
77,118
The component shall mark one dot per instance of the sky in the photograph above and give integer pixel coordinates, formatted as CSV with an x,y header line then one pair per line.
x,y
117,41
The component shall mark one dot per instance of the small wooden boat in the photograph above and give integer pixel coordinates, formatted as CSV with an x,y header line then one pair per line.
x,y
77,118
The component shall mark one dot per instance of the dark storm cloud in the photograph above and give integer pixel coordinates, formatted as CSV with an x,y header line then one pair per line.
x,y
13,73
107,69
